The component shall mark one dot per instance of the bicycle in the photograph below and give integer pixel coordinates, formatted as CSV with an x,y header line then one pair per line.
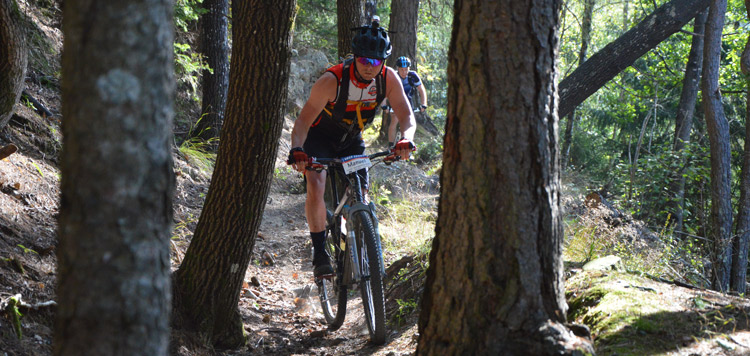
x,y
353,243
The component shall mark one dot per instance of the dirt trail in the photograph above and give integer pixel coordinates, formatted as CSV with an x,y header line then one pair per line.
x,y
279,302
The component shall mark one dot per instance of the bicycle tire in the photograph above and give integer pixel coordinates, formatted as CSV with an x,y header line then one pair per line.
x,y
333,295
371,265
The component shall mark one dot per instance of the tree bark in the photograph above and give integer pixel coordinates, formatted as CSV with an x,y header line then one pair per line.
x,y
209,280
215,49
588,11
117,179
495,283
718,135
685,111
620,54
404,20
742,235
351,14
12,59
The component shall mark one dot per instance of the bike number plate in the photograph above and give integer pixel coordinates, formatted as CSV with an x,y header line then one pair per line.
x,y
354,163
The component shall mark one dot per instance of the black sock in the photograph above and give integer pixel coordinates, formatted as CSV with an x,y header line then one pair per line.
x,y
318,240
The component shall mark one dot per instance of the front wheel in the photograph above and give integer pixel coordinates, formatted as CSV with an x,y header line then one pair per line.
x,y
371,266
331,292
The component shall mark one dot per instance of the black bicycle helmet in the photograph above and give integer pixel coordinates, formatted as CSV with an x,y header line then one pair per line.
x,y
403,62
371,41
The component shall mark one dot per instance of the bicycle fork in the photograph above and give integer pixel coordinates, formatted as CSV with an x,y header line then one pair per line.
x,y
350,238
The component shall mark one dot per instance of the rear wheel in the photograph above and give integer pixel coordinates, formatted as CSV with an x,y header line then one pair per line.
x,y
371,266
330,291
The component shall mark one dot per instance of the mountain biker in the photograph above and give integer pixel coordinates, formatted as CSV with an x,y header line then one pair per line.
x,y
331,126
410,81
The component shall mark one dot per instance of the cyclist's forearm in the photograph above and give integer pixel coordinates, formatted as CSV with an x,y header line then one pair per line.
x,y
408,127
299,134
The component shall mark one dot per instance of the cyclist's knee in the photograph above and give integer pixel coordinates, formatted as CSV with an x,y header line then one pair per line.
x,y
315,184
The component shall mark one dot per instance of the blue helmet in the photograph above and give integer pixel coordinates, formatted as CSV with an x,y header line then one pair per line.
x,y
403,62
372,41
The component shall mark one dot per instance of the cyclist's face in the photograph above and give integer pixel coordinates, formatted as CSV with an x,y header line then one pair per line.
x,y
403,71
366,69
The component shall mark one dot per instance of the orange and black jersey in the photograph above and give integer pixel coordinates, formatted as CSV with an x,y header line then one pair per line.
x,y
341,123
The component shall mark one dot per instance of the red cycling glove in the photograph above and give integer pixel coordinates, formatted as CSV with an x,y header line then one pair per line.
x,y
405,144
296,155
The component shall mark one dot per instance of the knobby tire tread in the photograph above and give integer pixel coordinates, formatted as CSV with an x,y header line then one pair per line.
x,y
365,228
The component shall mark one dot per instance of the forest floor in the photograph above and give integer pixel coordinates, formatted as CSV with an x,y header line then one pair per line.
x,y
629,314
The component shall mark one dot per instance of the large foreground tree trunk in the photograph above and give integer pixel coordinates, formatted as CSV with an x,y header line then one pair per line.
x,y
209,280
117,179
12,59
685,111
495,283
215,49
718,135
620,54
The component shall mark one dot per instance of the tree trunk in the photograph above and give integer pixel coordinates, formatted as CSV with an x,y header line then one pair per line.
x,y
620,54
209,280
718,136
742,237
404,19
351,14
215,49
495,283
12,59
685,111
117,179
588,11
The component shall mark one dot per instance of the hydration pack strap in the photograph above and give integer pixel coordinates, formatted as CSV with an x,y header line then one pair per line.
x,y
340,108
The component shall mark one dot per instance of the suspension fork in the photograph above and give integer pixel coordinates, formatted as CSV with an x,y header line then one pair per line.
x,y
369,208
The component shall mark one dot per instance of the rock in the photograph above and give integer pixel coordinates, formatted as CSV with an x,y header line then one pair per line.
x,y
604,263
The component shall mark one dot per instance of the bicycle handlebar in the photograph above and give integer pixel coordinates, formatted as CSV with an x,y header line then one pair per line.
x,y
317,164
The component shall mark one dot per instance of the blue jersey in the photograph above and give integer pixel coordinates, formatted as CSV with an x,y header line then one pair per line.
x,y
411,82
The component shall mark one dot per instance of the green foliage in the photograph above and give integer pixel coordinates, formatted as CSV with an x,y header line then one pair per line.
x,y
189,64
379,193
433,41
199,151
610,122
652,197
430,150
315,26
590,236
15,315
405,308
26,249
188,67
187,11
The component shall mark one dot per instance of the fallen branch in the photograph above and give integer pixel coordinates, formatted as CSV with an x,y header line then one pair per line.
x,y
40,109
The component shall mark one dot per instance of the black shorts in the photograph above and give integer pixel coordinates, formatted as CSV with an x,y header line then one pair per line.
x,y
318,145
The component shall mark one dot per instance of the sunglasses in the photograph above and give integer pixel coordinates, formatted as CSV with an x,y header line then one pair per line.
x,y
369,61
